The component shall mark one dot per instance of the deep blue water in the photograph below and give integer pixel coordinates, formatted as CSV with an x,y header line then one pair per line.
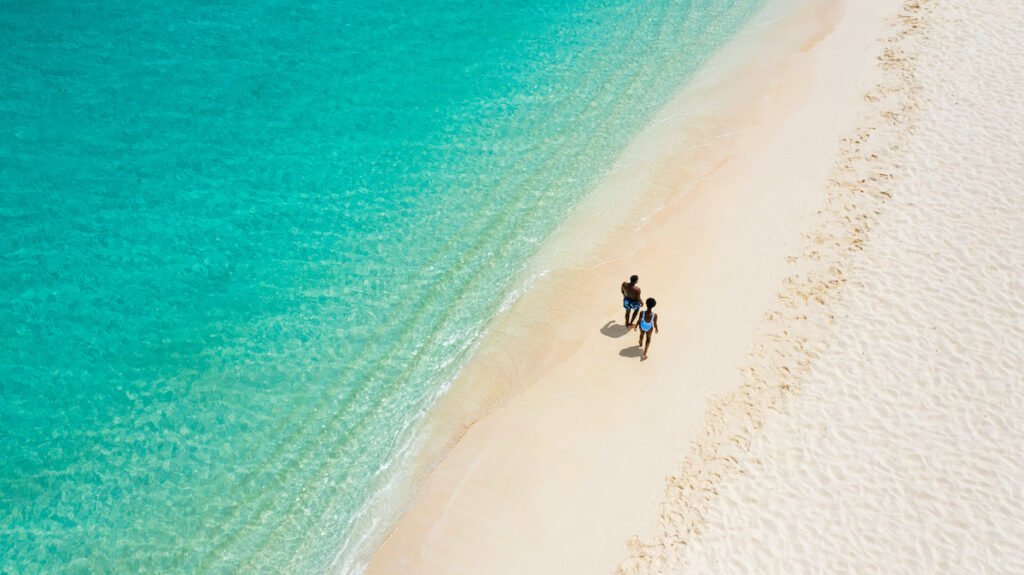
x,y
245,245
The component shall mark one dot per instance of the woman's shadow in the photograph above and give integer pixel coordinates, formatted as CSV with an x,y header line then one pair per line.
x,y
617,330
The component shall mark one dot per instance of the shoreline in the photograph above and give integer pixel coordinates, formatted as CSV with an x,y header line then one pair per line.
x,y
576,440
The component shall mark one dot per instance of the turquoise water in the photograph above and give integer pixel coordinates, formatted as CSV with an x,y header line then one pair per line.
x,y
246,245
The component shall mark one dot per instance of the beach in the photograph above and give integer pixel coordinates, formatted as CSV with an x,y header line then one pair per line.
x,y
836,385
334,288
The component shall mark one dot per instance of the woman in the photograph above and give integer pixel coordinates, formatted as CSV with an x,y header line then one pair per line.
x,y
648,320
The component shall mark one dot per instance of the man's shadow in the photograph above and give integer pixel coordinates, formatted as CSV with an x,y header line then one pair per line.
x,y
612,329
617,330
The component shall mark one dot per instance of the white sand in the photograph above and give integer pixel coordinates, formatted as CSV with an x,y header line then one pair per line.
x,y
902,448
572,462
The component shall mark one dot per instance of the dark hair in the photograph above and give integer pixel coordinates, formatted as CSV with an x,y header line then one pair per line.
x,y
651,303
633,279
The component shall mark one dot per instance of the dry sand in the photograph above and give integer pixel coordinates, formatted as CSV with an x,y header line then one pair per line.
x,y
902,448
839,285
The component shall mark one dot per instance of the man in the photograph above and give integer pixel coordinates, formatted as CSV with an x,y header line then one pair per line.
x,y
631,299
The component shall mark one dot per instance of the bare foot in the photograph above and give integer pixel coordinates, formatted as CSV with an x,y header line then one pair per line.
x,y
644,357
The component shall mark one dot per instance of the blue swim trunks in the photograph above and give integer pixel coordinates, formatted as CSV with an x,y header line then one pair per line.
x,y
631,303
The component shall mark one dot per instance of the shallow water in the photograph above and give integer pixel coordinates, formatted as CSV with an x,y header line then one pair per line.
x,y
246,246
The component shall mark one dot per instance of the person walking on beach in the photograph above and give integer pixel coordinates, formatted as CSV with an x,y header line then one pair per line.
x,y
631,299
648,321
